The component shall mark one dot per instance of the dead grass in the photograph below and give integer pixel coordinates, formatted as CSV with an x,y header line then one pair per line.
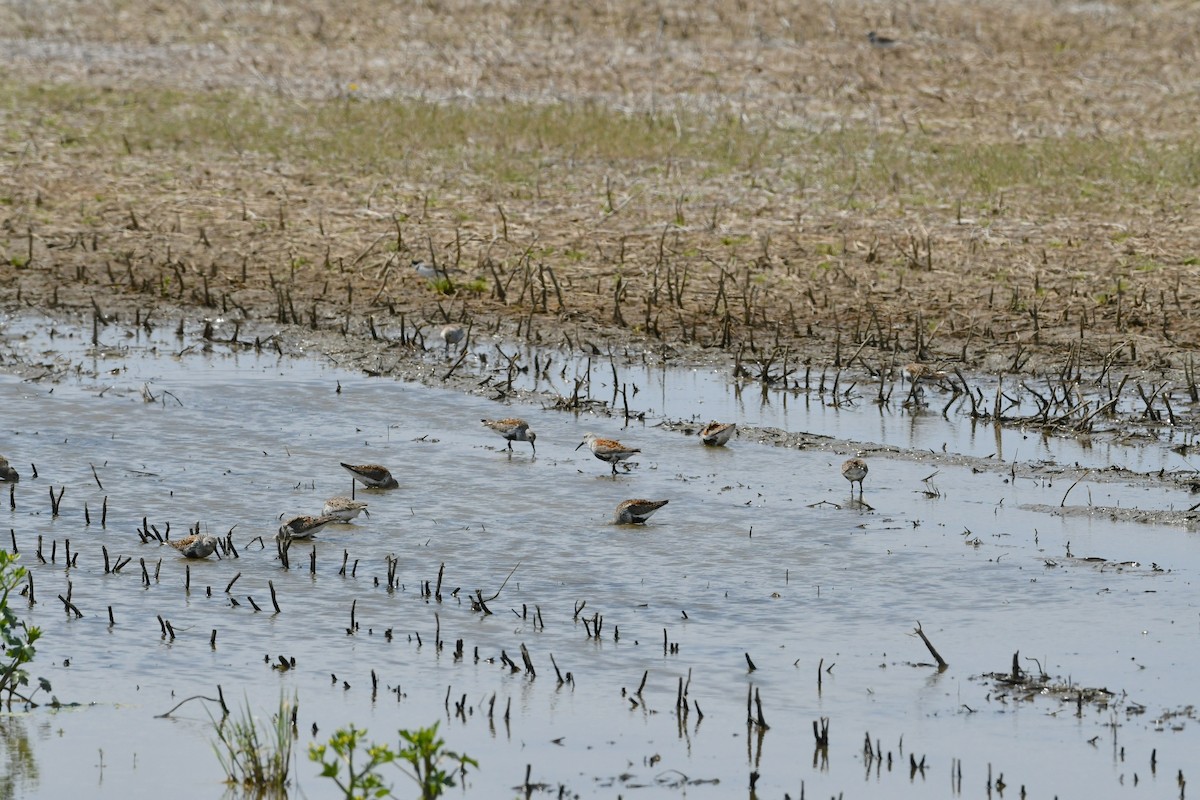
x,y
1007,186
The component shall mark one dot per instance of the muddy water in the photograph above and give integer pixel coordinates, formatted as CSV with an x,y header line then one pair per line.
x,y
938,421
760,552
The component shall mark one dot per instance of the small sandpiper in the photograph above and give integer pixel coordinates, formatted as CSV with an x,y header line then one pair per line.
x,y
854,470
609,450
452,335
513,429
373,476
716,434
196,546
430,272
344,508
7,472
303,527
633,512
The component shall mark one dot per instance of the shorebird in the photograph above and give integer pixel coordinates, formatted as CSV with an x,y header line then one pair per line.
x,y
303,527
916,371
883,42
197,546
715,434
430,272
632,512
854,470
515,430
452,335
8,473
373,476
609,450
343,508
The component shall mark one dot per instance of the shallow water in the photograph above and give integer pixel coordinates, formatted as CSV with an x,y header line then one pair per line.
x,y
760,552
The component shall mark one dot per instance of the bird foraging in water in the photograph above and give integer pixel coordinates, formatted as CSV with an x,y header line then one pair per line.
x,y
716,434
303,527
633,512
7,472
373,476
344,509
916,371
609,450
452,335
197,546
513,429
854,470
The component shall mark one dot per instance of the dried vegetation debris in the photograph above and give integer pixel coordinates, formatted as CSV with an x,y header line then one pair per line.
x,y
1188,518
1026,686
647,203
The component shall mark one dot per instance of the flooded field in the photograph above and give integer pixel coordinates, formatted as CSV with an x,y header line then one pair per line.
x,y
761,578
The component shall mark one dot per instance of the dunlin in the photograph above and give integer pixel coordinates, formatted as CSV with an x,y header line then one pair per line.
x,y
854,470
373,476
609,450
303,527
7,472
715,434
452,335
515,430
632,512
344,508
197,546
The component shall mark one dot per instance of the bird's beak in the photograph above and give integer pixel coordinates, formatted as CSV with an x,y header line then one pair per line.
x,y
581,444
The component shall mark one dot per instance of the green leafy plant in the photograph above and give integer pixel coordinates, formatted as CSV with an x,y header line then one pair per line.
x,y
16,637
254,758
443,286
423,750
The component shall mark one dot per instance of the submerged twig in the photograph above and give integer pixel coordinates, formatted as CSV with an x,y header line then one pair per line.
x,y
941,662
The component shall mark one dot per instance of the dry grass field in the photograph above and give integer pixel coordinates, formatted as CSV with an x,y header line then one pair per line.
x,y
1010,187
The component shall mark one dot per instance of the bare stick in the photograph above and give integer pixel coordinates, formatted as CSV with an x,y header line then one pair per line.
x,y
762,722
932,650
510,574
1086,472
528,661
188,700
